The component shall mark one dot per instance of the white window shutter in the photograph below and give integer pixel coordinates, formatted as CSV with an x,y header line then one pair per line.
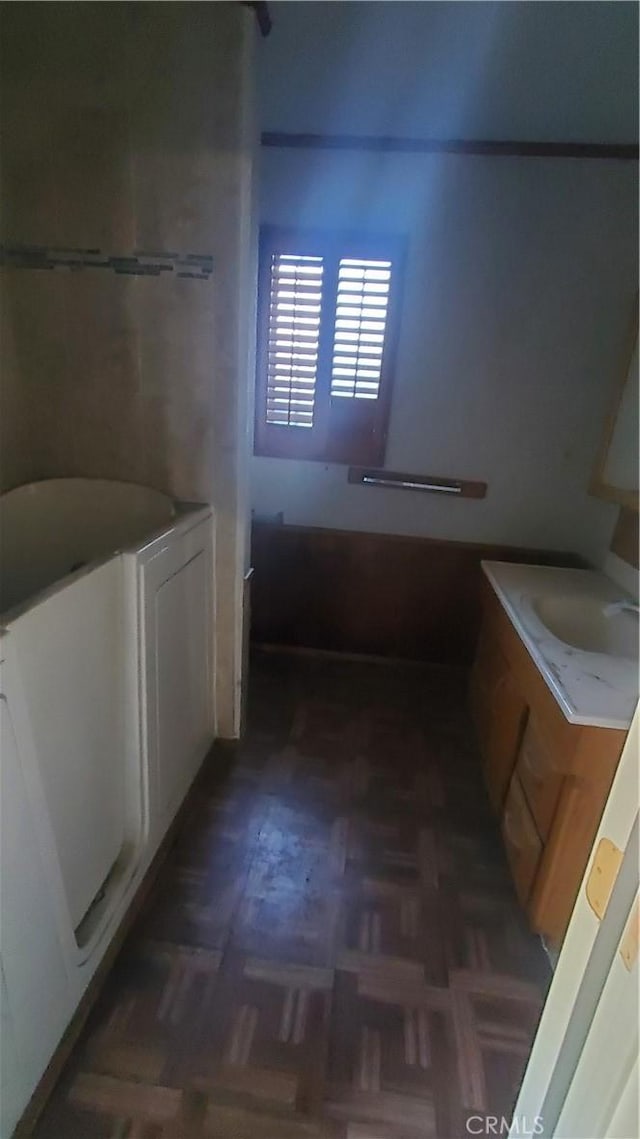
x,y
294,332
362,306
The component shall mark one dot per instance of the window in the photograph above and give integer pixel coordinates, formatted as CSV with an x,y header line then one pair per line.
x,y
327,314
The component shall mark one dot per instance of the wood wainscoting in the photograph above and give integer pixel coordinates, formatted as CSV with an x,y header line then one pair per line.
x,y
374,594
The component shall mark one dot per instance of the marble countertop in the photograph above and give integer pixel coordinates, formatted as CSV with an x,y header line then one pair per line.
x,y
591,688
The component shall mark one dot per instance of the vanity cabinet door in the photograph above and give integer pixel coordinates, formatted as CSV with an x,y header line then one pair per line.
x,y
480,683
499,712
540,777
522,841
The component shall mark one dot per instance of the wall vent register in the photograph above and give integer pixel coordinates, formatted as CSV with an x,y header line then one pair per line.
x,y
326,336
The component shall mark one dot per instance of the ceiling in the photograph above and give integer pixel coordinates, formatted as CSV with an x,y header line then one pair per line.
x,y
528,71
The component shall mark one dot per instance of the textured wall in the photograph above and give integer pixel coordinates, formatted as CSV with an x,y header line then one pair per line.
x,y
128,127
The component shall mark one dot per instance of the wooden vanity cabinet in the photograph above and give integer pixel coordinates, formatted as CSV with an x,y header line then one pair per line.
x,y
521,839
541,779
499,712
547,779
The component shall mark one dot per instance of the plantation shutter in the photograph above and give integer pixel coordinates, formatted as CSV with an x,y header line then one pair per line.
x,y
295,300
360,327
325,343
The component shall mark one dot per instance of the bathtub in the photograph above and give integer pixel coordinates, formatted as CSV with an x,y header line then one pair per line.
x,y
107,603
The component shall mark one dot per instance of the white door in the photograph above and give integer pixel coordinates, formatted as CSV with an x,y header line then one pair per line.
x,y
598,1100
582,1076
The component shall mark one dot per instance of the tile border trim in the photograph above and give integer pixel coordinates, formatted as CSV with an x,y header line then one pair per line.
x,y
139,263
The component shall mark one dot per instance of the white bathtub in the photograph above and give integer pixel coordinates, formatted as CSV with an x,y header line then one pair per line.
x,y
50,528
107,712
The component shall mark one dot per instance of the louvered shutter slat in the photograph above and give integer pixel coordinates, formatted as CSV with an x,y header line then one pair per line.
x,y
292,344
362,305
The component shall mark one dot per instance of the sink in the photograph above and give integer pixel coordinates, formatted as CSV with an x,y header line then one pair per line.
x,y
582,623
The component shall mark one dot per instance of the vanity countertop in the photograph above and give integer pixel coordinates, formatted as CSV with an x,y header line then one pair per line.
x,y
592,688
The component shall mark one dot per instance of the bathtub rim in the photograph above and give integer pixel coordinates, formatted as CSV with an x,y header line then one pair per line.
x,y
89,481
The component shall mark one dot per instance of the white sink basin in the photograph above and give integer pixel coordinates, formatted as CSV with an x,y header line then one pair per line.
x,y
583,623
587,657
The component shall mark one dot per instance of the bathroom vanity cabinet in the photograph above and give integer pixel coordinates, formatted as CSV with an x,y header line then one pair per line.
x,y
547,778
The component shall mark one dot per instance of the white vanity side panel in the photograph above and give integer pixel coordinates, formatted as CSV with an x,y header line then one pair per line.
x,y
70,653
36,1001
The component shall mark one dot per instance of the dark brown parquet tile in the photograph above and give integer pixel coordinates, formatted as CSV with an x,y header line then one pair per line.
x,y
334,948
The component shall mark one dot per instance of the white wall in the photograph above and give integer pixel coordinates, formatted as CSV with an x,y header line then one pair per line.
x,y
563,71
520,276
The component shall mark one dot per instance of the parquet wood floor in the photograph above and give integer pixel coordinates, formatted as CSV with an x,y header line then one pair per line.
x,y
334,949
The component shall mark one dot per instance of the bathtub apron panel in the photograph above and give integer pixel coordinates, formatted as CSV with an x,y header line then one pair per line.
x,y
176,585
35,999
107,711
71,658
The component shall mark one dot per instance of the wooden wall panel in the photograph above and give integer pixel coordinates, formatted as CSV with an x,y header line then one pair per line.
x,y
379,594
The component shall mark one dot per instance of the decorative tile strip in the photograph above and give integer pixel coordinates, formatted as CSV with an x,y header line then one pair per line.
x,y
140,263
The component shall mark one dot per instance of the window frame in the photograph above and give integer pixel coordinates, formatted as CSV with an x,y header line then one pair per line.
x,y
348,430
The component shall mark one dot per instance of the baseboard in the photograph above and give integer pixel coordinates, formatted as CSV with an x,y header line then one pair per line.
x,y
356,658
